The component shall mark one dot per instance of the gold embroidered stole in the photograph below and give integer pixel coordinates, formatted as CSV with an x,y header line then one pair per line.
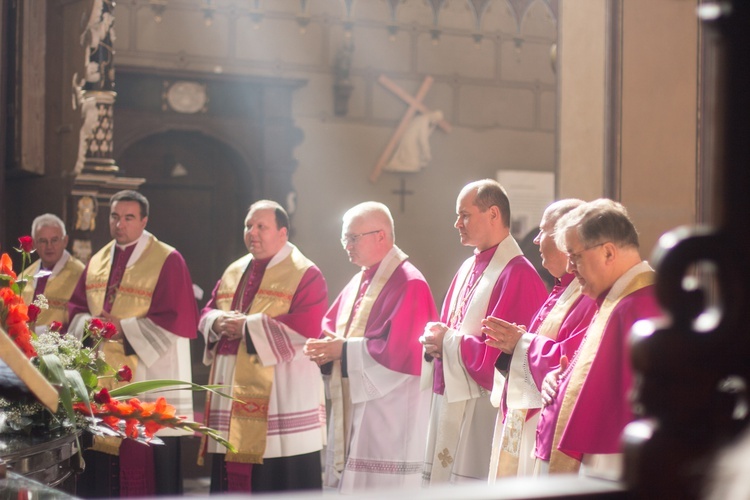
x,y
58,290
231,281
132,300
133,297
561,463
515,419
252,382
339,386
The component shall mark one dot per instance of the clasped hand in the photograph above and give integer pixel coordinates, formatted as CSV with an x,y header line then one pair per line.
x,y
324,350
502,334
432,340
551,382
230,325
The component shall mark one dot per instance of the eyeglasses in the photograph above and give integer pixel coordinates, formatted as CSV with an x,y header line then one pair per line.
x,y
352,239
575,257
44,241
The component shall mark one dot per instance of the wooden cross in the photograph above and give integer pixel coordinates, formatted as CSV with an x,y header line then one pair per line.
x,y
403,192
415,104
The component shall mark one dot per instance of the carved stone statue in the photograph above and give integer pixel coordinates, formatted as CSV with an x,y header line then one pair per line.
x,y
90,115
86,219
413,151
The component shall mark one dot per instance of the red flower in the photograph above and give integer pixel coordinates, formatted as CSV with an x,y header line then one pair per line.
x,y
150,428
111,421
103,397
81,408
165,410
33,312
125,373
120,408
27,244
16,316
55,326
95,326
130,428
6,266
109,330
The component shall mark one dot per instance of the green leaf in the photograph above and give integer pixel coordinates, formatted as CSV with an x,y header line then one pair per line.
x,y
53,368
103,368
66,398
89,378
76,383
137,388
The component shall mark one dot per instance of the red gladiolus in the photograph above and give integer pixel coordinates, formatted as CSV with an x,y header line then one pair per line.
x,y
109,330
102,397
125,374
163,409
27,244
130,428
111,421
33,312
16,316
122,409
55,326
150,428
6,266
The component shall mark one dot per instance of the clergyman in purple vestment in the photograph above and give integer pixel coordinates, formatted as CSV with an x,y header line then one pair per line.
x,y
144,288
459,367
587,397
370,352
534,352
264,308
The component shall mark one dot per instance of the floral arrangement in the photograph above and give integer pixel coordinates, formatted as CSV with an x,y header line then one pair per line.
x,y
76,367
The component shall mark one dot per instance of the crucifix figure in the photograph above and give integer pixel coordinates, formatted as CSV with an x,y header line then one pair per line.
x,y
403,192
415,105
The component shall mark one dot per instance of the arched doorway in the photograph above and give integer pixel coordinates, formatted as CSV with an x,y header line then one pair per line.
x,y
199,189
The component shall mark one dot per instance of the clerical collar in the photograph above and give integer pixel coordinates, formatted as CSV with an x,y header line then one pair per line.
x,y
262,262
485,255
565,280
370,271
125,247
602,296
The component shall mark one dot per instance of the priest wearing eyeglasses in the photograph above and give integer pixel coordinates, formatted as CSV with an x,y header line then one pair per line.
x,y
370,354
55,274
459,366
587,397
565,313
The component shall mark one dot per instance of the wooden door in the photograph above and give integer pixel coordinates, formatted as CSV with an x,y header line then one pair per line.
x,y
198,190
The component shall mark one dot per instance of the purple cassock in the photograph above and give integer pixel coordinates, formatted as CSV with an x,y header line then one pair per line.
x,y
383,368
172,305
603,402
543,353
517,295
396,320
172,308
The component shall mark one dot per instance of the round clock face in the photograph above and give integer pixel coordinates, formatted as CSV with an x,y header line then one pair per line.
x,y
186,97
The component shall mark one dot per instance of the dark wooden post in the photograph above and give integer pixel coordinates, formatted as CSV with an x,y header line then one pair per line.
x,y
687,366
